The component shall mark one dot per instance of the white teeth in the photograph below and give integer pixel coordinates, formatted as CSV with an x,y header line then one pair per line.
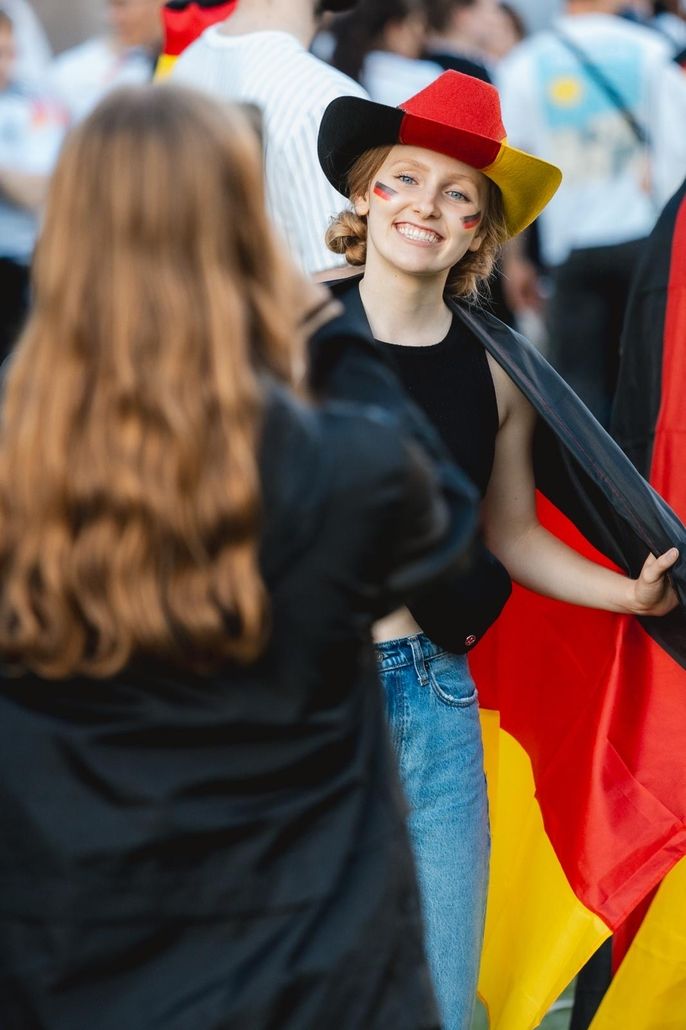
x,y
422,235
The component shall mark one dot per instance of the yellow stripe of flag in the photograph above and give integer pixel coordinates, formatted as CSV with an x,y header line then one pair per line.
x,y
538,933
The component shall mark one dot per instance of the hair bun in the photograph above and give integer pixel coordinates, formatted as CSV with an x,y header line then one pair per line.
x,y
347,235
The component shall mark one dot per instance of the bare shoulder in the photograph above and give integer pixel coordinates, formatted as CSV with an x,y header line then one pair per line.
x,y
513,406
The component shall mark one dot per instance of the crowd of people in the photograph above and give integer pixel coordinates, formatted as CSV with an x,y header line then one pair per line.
x,y
252,525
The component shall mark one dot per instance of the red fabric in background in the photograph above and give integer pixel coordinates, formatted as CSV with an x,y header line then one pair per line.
x,y
669,453
184,25
664,722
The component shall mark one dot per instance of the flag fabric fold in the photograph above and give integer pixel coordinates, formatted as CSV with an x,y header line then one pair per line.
x,y
587,780
648,991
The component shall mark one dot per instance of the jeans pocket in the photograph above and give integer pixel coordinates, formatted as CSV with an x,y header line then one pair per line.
x,y
451,681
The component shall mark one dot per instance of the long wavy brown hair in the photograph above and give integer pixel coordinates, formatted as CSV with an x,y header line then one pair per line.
x,y
131,411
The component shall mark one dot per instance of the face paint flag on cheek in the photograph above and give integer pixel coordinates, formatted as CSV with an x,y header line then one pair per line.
x,y
383,191
471,221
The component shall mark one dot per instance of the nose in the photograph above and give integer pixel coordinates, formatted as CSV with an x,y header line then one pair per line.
x,y
426,202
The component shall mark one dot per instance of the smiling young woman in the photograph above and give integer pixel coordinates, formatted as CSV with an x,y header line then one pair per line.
x,y
435,192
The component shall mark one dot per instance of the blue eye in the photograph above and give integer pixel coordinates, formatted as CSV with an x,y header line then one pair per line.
x,y
404,178
457,195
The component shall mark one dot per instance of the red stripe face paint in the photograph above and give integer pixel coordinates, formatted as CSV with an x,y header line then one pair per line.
x,y
383,191
471,221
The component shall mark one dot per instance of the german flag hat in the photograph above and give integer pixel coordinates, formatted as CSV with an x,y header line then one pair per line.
x,y
457,115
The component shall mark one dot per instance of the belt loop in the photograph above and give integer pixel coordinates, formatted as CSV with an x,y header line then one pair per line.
x,y
419,662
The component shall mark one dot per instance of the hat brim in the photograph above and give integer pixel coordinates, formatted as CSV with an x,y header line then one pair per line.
x,y
350,126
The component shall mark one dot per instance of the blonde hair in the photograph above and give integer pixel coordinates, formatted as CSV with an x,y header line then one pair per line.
x,y
347,234
131,413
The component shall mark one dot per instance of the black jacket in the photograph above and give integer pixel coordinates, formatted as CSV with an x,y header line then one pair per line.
x,y
229,851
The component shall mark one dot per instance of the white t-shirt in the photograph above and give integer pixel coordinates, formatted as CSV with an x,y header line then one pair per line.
x,y
31,132
292,88
80,77
611,192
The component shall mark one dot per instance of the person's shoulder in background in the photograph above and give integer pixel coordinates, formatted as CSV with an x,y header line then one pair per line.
x,y
272,62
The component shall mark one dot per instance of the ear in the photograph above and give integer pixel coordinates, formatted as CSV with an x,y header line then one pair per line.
x,y
361,205
475,244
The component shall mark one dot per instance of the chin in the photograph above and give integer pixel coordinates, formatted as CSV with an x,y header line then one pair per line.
x,y
419,265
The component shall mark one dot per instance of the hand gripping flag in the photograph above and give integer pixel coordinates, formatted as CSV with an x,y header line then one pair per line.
x,y
184,20
648,991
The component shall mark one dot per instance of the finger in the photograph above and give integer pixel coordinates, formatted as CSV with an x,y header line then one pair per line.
x,y
666,560
654,568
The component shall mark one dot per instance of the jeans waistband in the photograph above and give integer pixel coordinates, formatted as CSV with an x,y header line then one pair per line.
x,y
416,650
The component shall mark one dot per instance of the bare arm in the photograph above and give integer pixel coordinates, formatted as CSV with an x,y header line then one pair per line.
x,y
532,555
23,189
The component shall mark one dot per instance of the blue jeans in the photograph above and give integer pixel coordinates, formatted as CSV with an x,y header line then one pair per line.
x,y
434,718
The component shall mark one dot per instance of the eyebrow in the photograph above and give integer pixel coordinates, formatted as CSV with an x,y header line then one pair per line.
x,y
412,162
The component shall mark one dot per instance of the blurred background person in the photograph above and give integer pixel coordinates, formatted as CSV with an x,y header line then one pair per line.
x,y
259,55
380,44
508,28
602,98
33,51
666,17
459,34
670,18
200,820
636,10
125,55
31,131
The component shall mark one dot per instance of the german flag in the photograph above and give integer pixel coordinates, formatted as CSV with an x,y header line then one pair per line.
x,y
184,21
584,712
648,991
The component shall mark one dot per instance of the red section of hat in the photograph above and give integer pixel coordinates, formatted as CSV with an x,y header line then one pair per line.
x,y
461,102
464,146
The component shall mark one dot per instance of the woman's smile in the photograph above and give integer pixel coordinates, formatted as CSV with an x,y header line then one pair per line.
x,y
417,234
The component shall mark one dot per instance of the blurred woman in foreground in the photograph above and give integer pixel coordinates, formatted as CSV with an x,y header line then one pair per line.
x,y
200,825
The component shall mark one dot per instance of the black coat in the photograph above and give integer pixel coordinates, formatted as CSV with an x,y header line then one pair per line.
x,y
229,851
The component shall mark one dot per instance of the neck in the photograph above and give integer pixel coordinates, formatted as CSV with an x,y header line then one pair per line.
x,y
417,315
293,16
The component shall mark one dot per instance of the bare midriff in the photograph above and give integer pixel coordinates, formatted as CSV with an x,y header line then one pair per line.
x,y
394,626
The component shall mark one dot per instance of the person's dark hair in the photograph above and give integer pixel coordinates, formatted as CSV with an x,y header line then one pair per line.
x,y
131,410
359,32
518,23
347,234
439,12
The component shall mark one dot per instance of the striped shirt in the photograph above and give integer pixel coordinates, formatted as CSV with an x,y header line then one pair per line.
x,y
292,88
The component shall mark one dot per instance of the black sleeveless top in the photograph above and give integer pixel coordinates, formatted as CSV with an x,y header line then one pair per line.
x,y
451,381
